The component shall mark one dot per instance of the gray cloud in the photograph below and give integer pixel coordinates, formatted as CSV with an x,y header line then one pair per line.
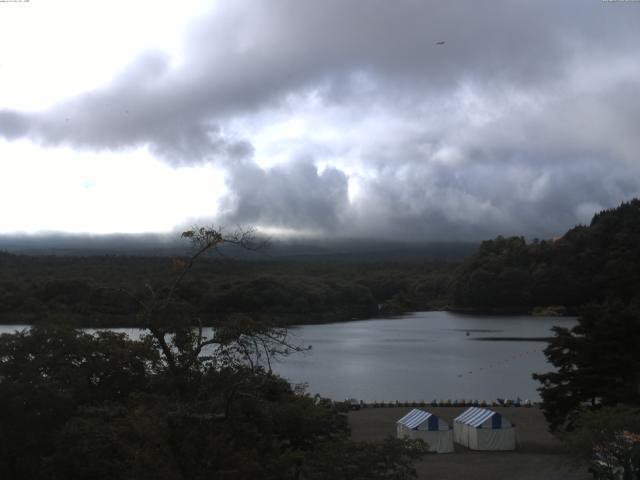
x,y
435,201
288,196
13,124
484,199
524,121
138,108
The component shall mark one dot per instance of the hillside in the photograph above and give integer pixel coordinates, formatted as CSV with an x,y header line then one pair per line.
x,y
588,264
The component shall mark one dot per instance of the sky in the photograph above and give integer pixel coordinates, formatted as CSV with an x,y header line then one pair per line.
x,y
422,120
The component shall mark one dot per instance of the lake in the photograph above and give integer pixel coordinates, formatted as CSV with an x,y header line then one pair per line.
x,y
419,356
423,356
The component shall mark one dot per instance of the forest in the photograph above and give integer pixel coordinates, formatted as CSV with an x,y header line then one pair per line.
x,y
174,404
588,264
507,274
94,290
80,405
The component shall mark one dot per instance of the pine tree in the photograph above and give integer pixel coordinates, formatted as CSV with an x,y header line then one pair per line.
x,y
597,362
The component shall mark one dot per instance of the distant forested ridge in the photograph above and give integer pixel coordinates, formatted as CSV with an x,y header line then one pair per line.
x,y
589,264
90,290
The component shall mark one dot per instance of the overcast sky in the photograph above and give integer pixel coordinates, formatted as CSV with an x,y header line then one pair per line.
x,y
345,118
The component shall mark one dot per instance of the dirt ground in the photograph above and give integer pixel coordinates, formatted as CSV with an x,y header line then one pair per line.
x,y
537,455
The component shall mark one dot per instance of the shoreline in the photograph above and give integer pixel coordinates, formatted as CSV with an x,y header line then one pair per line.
x,y
355,404
298,320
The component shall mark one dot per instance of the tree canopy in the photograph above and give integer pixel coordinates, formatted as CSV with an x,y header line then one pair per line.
x,y
175,404
608,438
588,264
597,363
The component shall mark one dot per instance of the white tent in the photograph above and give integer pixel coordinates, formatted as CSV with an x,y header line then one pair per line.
x,y
418,424
482,429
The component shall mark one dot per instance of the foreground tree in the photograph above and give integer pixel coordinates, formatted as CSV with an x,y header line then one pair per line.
x,y
597,362
49,374
608,438
183,402
390,459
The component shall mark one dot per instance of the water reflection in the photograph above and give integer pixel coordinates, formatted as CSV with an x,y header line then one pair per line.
x,y
423,356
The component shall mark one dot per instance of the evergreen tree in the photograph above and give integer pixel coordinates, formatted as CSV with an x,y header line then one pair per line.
x,y
597,362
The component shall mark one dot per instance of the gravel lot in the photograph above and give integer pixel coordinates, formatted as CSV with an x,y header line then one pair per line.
x,y
537,456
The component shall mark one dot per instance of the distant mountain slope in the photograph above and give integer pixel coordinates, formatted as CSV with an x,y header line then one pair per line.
x,y
308,250
588,264
366,251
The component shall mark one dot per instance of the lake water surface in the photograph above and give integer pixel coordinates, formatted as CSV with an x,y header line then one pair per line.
x,y
423,356
418,356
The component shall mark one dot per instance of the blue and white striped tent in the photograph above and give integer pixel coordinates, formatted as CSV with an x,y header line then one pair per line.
x,y
428,427
482,429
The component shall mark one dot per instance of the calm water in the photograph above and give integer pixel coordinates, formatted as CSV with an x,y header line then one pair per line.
x,y
422,356
419,356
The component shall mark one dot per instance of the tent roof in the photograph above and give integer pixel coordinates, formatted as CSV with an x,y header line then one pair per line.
x,y
415,418
474,416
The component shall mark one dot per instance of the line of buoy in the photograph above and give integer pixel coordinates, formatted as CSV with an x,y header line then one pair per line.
x,y
491,365
354,404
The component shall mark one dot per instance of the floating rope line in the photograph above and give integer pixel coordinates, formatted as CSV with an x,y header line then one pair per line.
x,y
500,362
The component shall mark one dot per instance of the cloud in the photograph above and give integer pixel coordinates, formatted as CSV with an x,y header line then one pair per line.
x,y
290,196
13,124
138,108
516,195
521,122
245,56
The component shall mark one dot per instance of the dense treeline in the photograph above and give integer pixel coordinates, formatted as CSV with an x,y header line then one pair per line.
x,y
595,384
176,404
597,363
588,264
78,406
90,291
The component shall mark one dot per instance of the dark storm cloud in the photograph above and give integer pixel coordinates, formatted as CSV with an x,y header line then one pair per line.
x,y
523,121
484,199
293,195
246,55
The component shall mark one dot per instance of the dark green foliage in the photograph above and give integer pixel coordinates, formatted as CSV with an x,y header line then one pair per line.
x,y
597,362
390,459
609,438
291,295
47,374
176,404
88,290
111,442
75,406
588,264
